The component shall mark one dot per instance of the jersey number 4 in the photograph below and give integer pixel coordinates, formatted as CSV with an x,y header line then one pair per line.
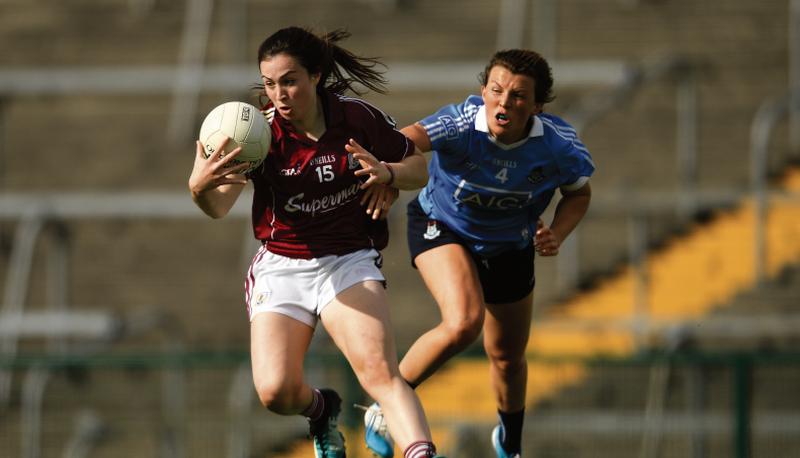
x,y
324,173
502,175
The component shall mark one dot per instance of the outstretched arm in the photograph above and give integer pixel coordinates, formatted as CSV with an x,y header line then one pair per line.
x,y
410,173
413,171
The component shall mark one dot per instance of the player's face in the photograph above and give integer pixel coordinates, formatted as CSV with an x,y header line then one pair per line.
x,y
510,103
289,86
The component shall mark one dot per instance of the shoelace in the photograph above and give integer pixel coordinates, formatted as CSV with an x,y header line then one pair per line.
x,y
375,418
378,419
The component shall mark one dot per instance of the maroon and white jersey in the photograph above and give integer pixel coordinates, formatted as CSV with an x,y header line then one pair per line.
x,y
307,200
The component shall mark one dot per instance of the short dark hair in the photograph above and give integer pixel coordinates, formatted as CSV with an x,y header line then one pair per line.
x,y
524,62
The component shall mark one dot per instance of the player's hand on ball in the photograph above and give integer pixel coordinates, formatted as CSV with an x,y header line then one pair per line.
x,y
378,171
545,242
216,169
378,199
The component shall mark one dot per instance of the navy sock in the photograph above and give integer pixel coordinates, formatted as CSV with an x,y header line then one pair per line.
x,y
512,430
315,410
326,406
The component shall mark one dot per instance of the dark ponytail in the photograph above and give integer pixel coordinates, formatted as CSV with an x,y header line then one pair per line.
x,y
339,69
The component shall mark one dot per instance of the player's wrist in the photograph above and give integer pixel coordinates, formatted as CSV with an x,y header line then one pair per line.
x,y
391,173
195,190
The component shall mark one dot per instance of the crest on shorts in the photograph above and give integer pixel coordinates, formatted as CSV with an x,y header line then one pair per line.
x,y
432,231
261,298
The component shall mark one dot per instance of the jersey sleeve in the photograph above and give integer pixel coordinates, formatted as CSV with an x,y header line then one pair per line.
x,y
574,161
388,143
448,129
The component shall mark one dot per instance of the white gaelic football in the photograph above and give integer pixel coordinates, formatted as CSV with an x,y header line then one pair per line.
x,y
244,124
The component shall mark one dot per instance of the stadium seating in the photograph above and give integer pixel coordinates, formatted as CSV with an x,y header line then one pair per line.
x,y
105,141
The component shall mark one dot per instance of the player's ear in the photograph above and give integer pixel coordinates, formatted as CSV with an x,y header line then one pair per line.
x,y
315,78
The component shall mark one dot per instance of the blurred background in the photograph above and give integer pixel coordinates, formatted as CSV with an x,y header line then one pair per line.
x,y
667,327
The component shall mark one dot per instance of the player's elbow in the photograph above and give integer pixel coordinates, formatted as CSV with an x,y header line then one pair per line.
x,y
217,214
218,210
215,206
420,179
211,210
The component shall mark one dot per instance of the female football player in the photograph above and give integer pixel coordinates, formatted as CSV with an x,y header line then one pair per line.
x,y
319,259
473,230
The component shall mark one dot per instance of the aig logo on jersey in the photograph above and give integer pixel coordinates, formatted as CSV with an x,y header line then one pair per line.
x,y
490,198
450,127
494,202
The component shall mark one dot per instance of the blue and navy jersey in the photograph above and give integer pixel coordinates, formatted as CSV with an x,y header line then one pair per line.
x,y
492,194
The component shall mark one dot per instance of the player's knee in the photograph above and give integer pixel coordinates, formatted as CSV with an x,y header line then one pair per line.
x,y
373,372
278,396
507,361
270,394
464,330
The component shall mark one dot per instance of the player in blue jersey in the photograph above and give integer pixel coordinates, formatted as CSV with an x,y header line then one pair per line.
x,y
497,162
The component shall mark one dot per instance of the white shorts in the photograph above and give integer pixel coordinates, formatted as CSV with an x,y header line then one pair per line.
x,y
301,288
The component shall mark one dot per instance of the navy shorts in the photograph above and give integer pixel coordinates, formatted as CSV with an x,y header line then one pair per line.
x,y
506,277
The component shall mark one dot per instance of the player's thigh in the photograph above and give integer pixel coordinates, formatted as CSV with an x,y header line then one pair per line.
x,y
450,274
278,344
506,328
358,321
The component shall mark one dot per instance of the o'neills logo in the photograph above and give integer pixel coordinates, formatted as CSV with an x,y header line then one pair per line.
x,y
322,204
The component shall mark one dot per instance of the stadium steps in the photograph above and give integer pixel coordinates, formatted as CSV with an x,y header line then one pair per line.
x,y
128,402
114,156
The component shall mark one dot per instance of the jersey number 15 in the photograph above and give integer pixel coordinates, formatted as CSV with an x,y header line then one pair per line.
x,y
324,173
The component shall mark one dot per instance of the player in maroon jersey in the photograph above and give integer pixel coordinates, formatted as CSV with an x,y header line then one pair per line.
x,y
319,259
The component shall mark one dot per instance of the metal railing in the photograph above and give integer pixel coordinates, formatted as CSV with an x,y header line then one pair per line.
x,y
191,60
741,423
769,114
594,106
17,282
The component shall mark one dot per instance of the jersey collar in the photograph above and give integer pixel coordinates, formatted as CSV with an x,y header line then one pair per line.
x,y
332,106
537,129
332,109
